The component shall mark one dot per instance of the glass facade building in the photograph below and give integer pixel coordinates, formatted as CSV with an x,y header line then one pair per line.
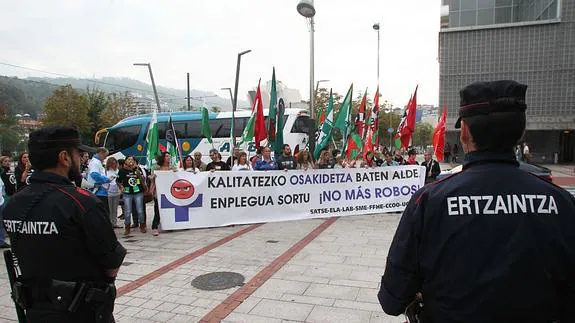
x,y
529,41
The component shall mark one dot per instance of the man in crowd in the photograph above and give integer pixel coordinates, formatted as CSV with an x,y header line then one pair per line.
x,y
398,158
237,152
217,164
286,160
389,160
432,168
198,161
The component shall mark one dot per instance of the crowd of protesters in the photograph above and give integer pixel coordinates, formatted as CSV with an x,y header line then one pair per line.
x,y
126,184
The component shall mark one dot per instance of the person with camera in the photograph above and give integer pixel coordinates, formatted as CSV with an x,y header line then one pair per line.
x,y
492,243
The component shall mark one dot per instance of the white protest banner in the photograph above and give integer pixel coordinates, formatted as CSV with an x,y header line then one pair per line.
x,y
207,199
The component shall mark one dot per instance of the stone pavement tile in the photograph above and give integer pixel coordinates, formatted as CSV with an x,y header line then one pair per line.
x,y
208,303
275,288
367,295
282,310
380,317
136,301
8,313
167,307
130,311
180,318
151,304
247,305
245,318
307,299
335,271
302,278
321,314
356,305
353,283
332,291
367,275
163,316
199,311
145,313
182,309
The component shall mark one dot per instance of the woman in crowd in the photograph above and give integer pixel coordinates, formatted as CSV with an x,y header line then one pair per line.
x,y
369,160
163,163
132,186
411,155
242,162
7,176
113,189
304,160
190,165
23,171
324,160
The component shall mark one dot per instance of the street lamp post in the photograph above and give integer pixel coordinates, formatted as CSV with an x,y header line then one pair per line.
x,y
153,83
235,103
307,9
376,27
231,95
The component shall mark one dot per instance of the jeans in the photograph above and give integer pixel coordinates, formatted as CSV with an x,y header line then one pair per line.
x,y
113,202
139,201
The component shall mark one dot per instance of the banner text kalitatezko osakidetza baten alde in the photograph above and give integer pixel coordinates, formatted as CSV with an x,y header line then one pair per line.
x,y
207,199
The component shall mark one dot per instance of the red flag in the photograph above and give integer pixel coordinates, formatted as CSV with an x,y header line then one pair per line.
x,y
370,133
260,131
360,118
439,136
408,126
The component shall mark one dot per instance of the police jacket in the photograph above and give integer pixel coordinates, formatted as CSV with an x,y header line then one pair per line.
x,y
66,235
490,244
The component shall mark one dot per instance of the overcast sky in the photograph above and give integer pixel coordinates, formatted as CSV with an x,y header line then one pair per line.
x,y
86,38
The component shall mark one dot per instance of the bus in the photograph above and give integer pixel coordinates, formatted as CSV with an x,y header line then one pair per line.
x,y
128,137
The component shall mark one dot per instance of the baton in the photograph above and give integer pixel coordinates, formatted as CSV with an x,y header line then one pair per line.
x,y
9,261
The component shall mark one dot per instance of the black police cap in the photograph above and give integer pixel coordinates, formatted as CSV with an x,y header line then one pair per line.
x,y
490,97
56,137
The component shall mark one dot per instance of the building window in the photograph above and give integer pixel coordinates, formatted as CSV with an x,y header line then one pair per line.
x,y
485,16
468,5
502,15
468,18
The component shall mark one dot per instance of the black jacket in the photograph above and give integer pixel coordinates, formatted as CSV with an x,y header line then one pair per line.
x,y
490,244
66,236
432,170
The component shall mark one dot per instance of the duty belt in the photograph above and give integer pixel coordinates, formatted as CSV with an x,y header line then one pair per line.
x,y
61,295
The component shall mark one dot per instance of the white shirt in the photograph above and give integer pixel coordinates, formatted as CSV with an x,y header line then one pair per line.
x,y
526,150
112,187
1,196
241,167
95,166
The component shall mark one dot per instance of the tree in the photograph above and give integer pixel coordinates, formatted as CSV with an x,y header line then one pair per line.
x,y
10,133
97,103
321,99
422,135
119,107
66,107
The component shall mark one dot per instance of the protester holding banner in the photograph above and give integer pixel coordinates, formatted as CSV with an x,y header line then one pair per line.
x,y
266,162
242,163
217,164
257,157
286,160
389,160
369,161
189,165
132,187
304,160
163,162
325,160
198,161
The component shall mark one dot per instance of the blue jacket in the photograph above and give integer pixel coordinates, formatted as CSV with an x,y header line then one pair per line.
x,y
264,165
97,177
492,243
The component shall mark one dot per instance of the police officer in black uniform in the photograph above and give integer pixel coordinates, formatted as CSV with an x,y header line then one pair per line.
x,y
66,249
492,243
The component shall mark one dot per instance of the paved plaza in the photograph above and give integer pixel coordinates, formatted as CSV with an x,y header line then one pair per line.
x,y
316,270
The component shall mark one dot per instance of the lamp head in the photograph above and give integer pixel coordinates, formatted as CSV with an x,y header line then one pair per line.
x,y
376,26
306,8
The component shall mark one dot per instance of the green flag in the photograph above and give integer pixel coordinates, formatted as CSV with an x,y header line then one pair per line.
x,y
323,134
343,120
152,141
206,129
280,127
272,115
